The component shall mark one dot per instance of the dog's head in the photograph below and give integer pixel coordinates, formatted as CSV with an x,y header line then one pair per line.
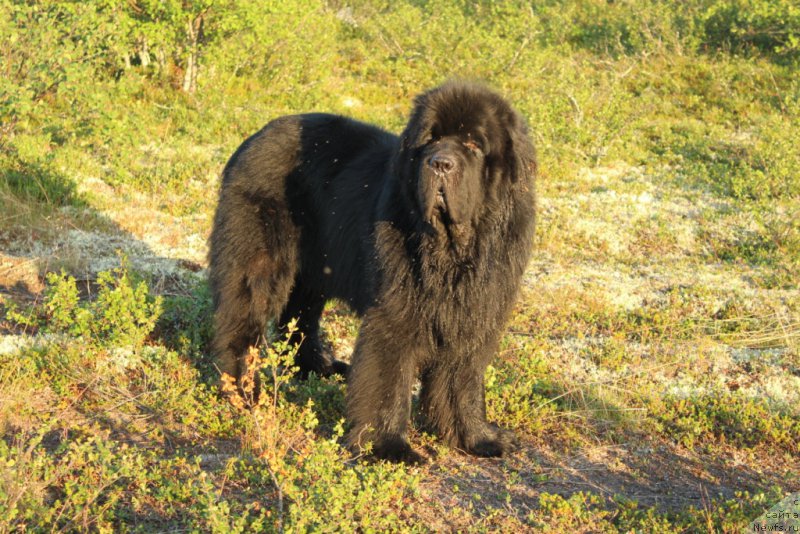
x,y
463,149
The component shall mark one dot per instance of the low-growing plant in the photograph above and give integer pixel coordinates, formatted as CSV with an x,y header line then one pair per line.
x,y
590,513
313,484
728,418
122,313
185,326
744,25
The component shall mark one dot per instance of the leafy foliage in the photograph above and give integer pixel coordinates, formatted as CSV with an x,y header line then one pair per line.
x,y
123,312
742,25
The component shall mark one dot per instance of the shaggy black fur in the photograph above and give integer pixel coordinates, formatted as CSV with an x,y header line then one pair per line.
x,y
425,235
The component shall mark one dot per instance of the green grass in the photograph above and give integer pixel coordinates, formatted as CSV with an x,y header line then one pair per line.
x,y
651,366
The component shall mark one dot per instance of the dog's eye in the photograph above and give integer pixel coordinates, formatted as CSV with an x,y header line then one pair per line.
x,y
473,147
424,141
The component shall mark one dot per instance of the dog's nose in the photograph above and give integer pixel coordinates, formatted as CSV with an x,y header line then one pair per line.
x,y
441,163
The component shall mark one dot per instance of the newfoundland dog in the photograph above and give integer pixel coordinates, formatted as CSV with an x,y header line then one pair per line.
x,y
425,236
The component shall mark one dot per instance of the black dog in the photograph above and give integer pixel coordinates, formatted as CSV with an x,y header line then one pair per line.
x,y
426,236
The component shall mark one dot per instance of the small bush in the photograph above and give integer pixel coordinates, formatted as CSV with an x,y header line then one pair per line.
x,y
728,418
122,314
769,26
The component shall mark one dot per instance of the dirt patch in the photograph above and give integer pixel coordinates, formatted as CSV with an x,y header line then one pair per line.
x,y
650,472
19,275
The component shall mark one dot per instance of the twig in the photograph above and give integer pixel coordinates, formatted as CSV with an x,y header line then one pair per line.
x,y
577,108
517,53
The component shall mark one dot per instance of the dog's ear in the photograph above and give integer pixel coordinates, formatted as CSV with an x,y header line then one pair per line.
x,y
420,124
519,151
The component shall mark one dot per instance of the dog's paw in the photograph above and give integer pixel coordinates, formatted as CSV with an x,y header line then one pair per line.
x,y
397,450
502,443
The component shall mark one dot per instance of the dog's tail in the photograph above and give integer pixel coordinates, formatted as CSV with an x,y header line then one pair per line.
x,y
253,253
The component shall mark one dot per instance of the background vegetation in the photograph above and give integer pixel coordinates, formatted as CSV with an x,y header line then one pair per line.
x,y
652,366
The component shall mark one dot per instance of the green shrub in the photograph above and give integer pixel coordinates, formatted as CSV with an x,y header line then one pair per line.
x,y
729,418
770,26
185,326
122,313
